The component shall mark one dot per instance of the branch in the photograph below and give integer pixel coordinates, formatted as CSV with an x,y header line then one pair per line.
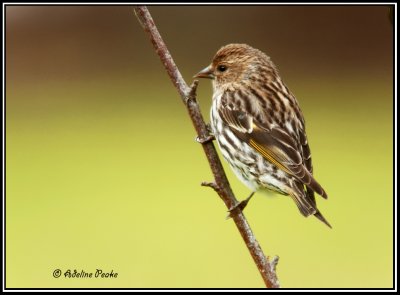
x,y
220,184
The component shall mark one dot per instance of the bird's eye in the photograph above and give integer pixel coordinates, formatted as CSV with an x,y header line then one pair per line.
x,y
222,68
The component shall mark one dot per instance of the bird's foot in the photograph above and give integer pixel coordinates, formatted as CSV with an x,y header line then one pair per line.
x,y
203,140
240,205
206,138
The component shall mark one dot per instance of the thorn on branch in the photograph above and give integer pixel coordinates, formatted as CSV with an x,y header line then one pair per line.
x,y
273,263
213,185
191,95
193,88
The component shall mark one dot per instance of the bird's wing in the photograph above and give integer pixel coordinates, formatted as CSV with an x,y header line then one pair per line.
x,y
306,155
273,143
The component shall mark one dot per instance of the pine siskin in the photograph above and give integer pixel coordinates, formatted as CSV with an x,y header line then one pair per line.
x,y
260,128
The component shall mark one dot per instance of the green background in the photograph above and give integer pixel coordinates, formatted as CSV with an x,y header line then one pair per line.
x,y
103,170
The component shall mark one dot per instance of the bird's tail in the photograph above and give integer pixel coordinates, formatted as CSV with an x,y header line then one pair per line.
x,y
322,218
307,206
318,214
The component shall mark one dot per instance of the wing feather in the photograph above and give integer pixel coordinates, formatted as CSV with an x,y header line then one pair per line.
x,y
273,143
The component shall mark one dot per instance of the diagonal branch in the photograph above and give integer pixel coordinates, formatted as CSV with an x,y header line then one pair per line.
x,y
266,267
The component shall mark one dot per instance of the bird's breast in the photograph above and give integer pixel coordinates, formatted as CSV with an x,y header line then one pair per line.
x,y
216,121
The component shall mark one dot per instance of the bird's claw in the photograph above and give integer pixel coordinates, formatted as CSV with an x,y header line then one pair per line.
x,y
206,139
240,205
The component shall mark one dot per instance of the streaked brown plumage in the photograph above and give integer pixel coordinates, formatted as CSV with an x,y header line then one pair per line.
x,y
259,126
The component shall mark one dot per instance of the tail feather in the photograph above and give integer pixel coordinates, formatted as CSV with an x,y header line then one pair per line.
x,y
322,218
306,208
305,201
316,187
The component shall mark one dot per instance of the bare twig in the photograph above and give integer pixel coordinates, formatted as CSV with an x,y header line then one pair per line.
x,y
220,184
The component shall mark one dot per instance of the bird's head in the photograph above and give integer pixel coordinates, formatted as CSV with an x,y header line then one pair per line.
x,y
236,63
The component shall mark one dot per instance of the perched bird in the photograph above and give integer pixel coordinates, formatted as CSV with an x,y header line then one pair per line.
x,y
260,128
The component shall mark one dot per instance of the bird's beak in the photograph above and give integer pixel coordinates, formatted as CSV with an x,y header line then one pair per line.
x,y
205,73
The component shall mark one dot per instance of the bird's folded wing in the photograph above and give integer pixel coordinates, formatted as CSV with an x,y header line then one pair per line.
x,y
273,143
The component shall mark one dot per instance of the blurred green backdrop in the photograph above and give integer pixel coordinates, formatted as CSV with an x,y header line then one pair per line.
x,y
103,170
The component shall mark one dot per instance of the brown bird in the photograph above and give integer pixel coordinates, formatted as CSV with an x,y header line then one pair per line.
x,y
260,128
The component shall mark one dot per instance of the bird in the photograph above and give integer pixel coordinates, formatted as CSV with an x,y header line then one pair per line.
x,y
259,127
